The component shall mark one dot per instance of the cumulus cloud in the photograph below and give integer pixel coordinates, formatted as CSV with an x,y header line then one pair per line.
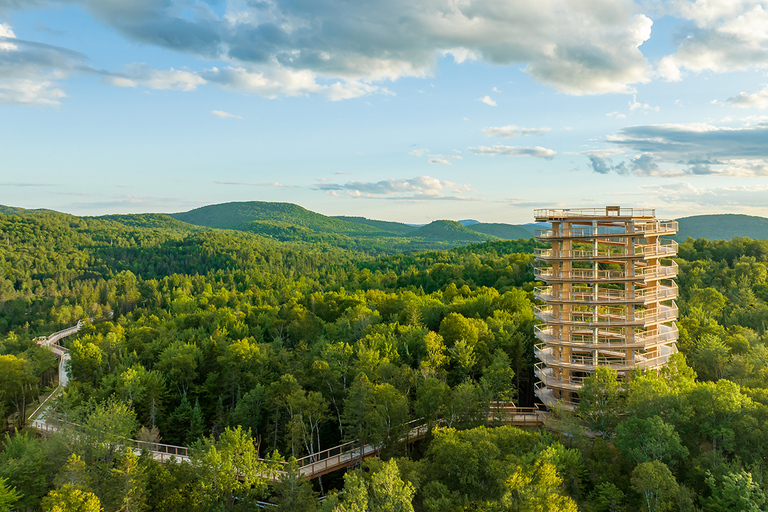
x,y
725,36
420,187
31,73
688,149
511,131
757,100
488,101
636,105
499,150
141,74
586,47
225,115
282,81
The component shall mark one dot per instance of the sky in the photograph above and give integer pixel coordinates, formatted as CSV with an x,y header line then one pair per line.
x,y
399,110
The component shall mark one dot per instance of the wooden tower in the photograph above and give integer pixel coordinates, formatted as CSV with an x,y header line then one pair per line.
x,y
609,296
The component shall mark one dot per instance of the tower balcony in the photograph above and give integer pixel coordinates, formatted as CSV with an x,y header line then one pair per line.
x,y
607,338
616,360
606,316
666,248
579,275
582,294
646,229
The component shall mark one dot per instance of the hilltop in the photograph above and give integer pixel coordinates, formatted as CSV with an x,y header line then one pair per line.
x,y
451,230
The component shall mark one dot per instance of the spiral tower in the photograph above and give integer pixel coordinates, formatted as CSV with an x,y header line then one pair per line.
x,y
609,299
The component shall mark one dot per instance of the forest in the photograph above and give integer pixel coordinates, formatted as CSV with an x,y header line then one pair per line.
x,y
254,352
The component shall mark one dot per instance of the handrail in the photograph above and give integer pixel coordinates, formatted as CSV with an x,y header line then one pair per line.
x,y
566,213
610,317
587,294
619,231
660,271
585,341
587,363
665,248
56,391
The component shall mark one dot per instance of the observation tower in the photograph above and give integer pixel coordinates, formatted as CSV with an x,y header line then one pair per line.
x,y
609,296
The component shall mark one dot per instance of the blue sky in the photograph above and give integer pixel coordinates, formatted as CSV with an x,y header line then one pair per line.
x,y
395,110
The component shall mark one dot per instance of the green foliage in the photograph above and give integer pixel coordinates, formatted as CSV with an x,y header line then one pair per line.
x,y
228,469
734,491
201,335
8,495
645,440
71,499
294,493
600,401
655,484
381,491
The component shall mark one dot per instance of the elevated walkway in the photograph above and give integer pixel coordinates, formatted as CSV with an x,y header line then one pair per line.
x,y
310,466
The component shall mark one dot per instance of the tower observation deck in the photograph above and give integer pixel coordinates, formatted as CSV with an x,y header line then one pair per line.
x,y
609,299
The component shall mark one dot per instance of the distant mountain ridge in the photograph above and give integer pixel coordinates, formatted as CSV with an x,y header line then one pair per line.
x,y
722,227
291,222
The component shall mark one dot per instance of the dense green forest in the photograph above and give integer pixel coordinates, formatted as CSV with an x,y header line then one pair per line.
x,y
239,345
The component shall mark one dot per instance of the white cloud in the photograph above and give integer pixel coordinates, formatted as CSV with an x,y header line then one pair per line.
x,y
689,149
586,47
757,100
487,100
7,32
616,114
511,131
31,73
728,35
419,152
636,105
141,74
281,81
498,150
420,187
224,115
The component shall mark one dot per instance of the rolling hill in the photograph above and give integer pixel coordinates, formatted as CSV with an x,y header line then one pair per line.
x,y
396,228
503,231
240,215
722,227
149,221
451,231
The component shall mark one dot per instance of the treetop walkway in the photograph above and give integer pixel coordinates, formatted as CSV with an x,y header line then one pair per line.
x,y
310,466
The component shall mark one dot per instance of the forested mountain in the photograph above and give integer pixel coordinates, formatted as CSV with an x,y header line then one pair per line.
x,y
451,231
722,227
395,228
241,215
503,231
235,343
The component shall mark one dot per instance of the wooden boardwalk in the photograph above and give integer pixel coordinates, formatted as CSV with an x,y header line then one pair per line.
x,y
310,466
